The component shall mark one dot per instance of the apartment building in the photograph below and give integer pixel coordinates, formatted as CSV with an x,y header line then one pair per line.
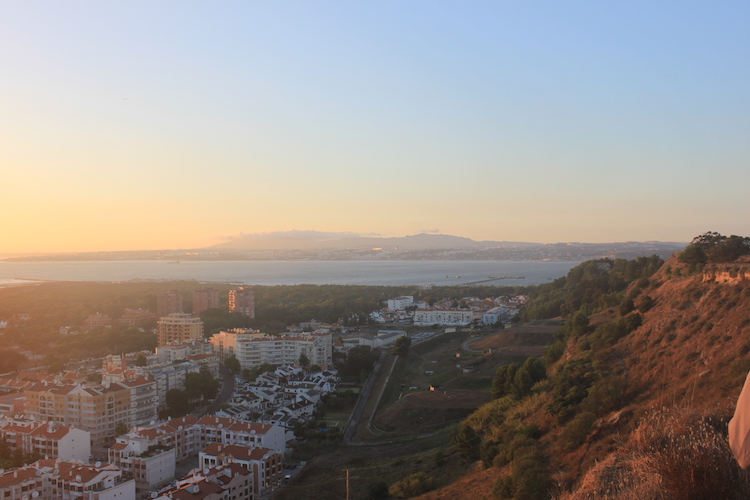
x,y
149,462
46,438
253,348
285,349
242,300
231,481
160,378
446,317
97,410
96,320
178,327
189,435
168,303
181,350
60,480
266,465
73,481
136,317
240,432
400,303
224,343
205,298
181,433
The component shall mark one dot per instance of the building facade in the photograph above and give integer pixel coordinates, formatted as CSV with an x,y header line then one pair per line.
x,y
446,317
47,439
98,410
205,298
242,301
178,327
168,303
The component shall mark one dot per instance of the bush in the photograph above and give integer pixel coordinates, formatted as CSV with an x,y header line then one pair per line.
x,y
575,433
675,454
414,485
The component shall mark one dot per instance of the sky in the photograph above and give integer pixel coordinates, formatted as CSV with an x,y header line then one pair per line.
x,y
160,125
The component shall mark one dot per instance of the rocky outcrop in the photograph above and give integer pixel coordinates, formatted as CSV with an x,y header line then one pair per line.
x,y
730,273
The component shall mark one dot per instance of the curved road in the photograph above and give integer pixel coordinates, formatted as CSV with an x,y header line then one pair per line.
x,y
225,394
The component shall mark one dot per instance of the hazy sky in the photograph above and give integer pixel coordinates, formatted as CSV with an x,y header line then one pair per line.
x,y
166,124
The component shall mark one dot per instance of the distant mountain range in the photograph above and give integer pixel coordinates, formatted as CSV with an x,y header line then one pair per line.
x,y
290,241
311,245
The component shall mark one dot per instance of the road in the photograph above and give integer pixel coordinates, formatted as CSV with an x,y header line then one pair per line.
x,y
225,394
364,396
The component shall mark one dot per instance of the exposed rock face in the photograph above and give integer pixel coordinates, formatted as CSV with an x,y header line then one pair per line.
x,y
730,273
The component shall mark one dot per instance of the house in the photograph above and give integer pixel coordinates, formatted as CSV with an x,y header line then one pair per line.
x,y
266,465
47,439
217,483
149,462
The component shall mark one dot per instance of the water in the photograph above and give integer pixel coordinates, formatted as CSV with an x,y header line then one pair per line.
x,y
293,272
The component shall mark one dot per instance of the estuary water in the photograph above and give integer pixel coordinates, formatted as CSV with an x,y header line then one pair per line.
x,y
294,272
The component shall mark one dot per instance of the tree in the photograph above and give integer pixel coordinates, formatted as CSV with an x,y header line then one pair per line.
x,y
412,486
193,386
401,346
120,428
141,360
467,441
626,306
233,364
177,403
304,361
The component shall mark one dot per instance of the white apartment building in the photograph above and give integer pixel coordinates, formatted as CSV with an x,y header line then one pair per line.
x,y
231,481
225,342
181,350
150,463
266,465
400,303
446,317
230,431
285,350
47,439
253,348
59,480
171,376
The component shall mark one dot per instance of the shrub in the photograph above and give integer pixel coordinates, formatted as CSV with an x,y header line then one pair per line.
x,y
577,430
677,454
414,485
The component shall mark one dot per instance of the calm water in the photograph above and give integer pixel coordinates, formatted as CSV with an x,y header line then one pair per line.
x,y
293,272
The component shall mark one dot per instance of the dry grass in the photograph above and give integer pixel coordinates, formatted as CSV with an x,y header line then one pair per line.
x,y
677,454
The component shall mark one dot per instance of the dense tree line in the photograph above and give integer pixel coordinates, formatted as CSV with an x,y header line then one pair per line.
x,y
597,283
714,247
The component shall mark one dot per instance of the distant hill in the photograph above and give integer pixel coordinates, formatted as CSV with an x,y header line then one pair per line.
x,y
283,241
314,245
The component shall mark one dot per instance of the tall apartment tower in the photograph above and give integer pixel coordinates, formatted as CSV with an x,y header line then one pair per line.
x,y
242,301
178,327
206,298
168,303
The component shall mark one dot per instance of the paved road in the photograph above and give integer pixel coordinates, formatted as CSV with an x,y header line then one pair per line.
x,y
364,396
225,394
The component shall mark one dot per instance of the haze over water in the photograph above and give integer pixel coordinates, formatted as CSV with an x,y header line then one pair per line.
x,y
294,272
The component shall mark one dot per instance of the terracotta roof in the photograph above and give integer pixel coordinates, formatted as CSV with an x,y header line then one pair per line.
x,y
237,451
205,488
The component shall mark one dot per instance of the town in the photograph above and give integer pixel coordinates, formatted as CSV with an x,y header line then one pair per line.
x,y
209,415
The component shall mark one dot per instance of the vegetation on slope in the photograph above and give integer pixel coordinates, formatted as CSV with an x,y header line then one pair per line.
x,y
642,338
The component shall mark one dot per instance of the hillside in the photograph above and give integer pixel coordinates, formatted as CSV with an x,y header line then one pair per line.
x,y
636,395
